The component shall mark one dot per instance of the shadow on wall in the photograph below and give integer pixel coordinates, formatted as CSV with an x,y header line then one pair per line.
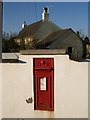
x,y
79,59
13,61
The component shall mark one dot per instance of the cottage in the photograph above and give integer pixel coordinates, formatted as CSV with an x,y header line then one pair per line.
x,y
64,39
44,34
38,30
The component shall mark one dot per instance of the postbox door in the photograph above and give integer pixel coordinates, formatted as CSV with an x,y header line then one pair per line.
x,y
44,88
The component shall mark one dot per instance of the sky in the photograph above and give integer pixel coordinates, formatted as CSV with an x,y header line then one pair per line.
x,y
64,14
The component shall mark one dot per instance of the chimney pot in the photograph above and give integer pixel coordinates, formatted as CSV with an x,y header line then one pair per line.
x,y
78,33
24,25
45,14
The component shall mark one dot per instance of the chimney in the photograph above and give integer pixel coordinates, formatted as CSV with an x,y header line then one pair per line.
x,y
45,14
78,33
24,25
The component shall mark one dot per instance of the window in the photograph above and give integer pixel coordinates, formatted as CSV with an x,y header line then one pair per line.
x,y
69,51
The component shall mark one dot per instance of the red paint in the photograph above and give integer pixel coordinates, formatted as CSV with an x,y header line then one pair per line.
x,y
44,97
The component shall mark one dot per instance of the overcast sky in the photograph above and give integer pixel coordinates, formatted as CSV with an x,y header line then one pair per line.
x,y
64,14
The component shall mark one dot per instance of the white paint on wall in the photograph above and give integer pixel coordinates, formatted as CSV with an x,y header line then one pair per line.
x,y
70,89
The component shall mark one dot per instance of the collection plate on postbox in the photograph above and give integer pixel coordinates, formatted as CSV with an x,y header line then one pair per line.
x,y
43,72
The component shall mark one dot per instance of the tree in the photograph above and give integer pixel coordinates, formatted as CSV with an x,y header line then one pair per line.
x,y
8,42
30,42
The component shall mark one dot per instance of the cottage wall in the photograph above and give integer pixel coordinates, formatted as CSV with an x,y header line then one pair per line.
x,y
70,88
70,39
88,48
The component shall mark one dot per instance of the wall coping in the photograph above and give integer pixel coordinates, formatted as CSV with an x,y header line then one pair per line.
x,y
43,52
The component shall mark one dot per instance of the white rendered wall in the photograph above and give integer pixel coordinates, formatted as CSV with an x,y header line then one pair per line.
x,y
70,89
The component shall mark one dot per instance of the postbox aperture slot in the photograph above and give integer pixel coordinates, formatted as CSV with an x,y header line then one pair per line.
x,y
43,83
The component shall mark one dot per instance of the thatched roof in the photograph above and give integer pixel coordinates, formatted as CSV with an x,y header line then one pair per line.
x,y
61,35
38,29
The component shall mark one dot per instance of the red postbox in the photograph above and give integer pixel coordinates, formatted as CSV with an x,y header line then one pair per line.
x,y
43,69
